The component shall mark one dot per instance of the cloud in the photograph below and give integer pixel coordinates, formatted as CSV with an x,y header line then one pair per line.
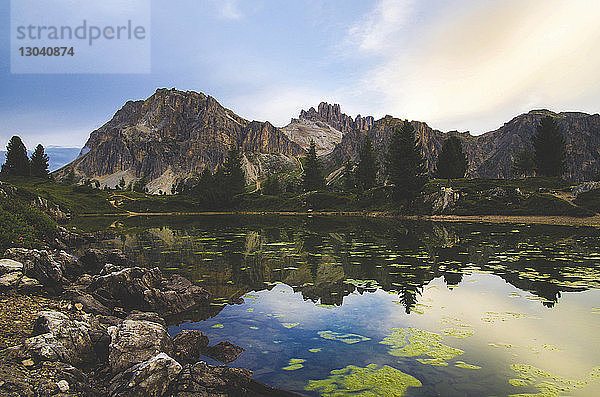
x,y
477,65
378,29
228,9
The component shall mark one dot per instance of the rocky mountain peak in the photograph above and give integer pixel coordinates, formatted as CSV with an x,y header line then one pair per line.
x,y
332,115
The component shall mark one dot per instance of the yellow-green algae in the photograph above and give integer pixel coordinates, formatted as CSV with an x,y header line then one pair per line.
x,y
218,326
346,338
458,333
547,384
294,364
368,382
412,342
290,325
462,364
315,350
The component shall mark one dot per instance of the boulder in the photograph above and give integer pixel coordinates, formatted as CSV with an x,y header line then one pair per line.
x,y
9,266
224,352
10,280
150,378
188,345
147,316
94,260
58,338
201,379
147,290
134,341
51,268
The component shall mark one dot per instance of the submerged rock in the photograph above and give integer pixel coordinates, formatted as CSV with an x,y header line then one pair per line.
x,y
189,345
224,352
135,341
150,378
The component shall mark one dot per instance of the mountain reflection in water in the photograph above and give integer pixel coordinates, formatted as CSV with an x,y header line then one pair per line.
x,y
285,286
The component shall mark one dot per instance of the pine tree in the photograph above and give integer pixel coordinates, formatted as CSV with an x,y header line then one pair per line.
x,y
17,162
271,186
235,181
524,163
452,162
348,176
366,172
39,162
405,165
313,174
549,148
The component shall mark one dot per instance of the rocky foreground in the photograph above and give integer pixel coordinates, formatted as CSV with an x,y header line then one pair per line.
x,y
96,327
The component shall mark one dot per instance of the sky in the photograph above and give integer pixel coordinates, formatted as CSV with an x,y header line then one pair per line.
x,y
468,65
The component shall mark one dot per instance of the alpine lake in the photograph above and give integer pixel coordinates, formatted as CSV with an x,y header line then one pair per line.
x,y
347,306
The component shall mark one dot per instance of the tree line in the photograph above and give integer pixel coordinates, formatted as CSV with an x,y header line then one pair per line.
x,y
19,164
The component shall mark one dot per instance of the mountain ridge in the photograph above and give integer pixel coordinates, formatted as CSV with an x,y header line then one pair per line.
x,y
175,134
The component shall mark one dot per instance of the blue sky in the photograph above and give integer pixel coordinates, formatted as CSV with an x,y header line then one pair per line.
x,y
464,64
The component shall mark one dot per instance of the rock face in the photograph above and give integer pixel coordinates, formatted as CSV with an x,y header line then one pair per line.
x,y
170,135
490,155
325,126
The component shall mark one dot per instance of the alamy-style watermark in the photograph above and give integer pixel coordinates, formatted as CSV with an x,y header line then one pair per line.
x,y
80,36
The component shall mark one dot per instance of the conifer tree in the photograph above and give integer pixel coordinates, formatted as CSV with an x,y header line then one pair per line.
x,y
271,186
313,174
452,162
366,171
524,163
348,177
39,163
549,148
235,181
17,162
405,165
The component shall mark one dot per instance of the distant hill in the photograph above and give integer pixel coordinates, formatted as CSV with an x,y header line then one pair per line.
x,y
59,156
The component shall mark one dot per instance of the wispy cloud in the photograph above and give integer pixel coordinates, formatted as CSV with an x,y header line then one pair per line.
x,y
480,64
379,29
228,9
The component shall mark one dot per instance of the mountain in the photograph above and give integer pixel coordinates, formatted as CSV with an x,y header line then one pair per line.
x,y
175,134
325,126
58,156
490,155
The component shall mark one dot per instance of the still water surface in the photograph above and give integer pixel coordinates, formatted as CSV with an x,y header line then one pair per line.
x,y
352,306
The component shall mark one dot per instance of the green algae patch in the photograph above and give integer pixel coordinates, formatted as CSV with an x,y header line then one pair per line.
x,y
458,333
462,364
413,342
253,327
369,382
346,338
218,326
315,350
294,364
546,383
250,309
324,306
290,325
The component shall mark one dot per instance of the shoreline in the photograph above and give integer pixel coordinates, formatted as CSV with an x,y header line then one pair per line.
x,y
557,220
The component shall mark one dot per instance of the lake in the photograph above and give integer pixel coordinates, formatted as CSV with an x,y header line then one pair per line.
x,y
381,307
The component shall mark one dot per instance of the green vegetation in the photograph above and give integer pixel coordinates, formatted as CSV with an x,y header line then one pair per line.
x,y
21,224
313,171
366,171
405,165
549,148
39,163
524,163
369,381
452,162
17,162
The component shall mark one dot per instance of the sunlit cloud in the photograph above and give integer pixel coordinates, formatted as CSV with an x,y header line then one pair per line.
x,y
476,66
228,9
